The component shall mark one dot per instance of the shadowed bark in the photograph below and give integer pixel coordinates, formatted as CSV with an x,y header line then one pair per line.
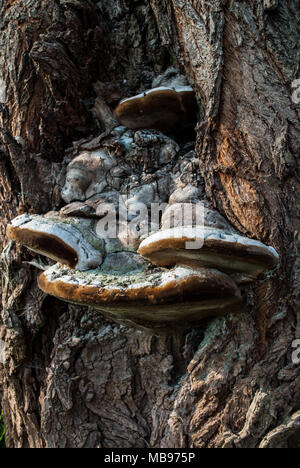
x,y
73,379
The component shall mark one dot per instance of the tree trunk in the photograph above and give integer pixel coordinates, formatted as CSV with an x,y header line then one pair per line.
x,y
70,377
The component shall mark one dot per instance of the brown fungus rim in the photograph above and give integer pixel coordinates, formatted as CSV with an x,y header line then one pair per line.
x,y
45,244
202,293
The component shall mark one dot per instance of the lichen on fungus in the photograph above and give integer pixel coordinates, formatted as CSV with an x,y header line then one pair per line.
x,y
178,298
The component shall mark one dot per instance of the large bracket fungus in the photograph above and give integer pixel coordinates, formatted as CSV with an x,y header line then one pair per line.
x,y
149,273
160,300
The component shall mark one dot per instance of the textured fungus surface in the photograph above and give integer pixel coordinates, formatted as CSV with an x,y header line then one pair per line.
x,y
212,248
164,109
68,241
158,300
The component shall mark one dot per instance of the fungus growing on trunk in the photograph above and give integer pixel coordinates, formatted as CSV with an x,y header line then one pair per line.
x,y
165,109
112,187
70,242
212,248
160,300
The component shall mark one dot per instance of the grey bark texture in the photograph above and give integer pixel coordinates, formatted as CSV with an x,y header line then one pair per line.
x,y
73,379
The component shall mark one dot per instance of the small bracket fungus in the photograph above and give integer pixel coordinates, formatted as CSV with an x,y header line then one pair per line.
x,y
164,109
67,242
161,300
227,252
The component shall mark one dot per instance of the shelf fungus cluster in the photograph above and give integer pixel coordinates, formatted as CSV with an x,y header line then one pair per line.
x,y
119,242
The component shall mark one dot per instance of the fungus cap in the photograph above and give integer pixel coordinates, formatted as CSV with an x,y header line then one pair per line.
x,y
164,109
157,300
61,241
209,247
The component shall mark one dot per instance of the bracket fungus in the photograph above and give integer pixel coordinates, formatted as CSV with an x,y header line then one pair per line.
x,y
69,243
159,300
165,109
211,248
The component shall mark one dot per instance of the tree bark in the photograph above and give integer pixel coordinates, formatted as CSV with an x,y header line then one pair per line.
x,y
72,378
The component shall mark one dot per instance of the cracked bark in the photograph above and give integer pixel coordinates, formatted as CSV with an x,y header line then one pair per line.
x,y
72,379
